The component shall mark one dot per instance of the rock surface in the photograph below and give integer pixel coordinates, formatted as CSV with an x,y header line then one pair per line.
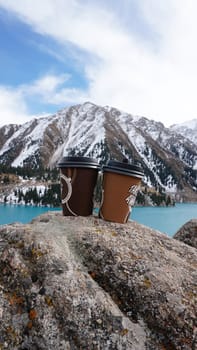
x,y
188,233
83,283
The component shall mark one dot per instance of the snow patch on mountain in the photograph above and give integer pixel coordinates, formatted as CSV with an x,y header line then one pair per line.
x,y
195,166
86,130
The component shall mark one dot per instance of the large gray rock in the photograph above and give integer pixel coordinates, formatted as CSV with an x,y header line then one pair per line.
x,y
188,233
83,283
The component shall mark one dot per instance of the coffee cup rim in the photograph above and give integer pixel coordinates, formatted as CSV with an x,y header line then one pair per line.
x,y
78,162
123,168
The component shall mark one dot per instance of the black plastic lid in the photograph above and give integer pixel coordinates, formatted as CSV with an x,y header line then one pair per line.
x,y
78,162
123,168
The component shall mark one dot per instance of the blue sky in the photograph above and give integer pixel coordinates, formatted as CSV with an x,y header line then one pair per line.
x,y
136,55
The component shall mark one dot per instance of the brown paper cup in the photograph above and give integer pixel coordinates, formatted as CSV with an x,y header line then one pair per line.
x,y
78,179
121,183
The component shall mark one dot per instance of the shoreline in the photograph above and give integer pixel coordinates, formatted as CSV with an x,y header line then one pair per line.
x,y
29,205
95,207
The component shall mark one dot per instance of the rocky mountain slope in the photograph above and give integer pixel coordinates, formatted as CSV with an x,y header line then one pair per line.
x,y
168,158
73,283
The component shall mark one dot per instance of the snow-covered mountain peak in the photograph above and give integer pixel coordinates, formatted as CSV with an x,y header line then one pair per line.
x,y
168,157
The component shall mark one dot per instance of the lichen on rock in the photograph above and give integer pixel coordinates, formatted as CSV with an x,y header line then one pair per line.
x,y
83,283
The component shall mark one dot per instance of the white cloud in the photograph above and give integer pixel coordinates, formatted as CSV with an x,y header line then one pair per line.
x,y
47,89
45,86
50,89
151,73
12,107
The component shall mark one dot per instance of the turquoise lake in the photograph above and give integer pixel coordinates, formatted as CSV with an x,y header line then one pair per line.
x,y
165,219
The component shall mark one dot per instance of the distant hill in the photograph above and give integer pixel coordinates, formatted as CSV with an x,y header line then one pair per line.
x,y
187,129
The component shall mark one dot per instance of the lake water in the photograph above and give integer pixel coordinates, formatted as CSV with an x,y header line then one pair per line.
x,y
164,219
20,213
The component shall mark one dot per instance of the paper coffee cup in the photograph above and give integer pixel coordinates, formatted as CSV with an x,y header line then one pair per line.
x,y
121,182
78,177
